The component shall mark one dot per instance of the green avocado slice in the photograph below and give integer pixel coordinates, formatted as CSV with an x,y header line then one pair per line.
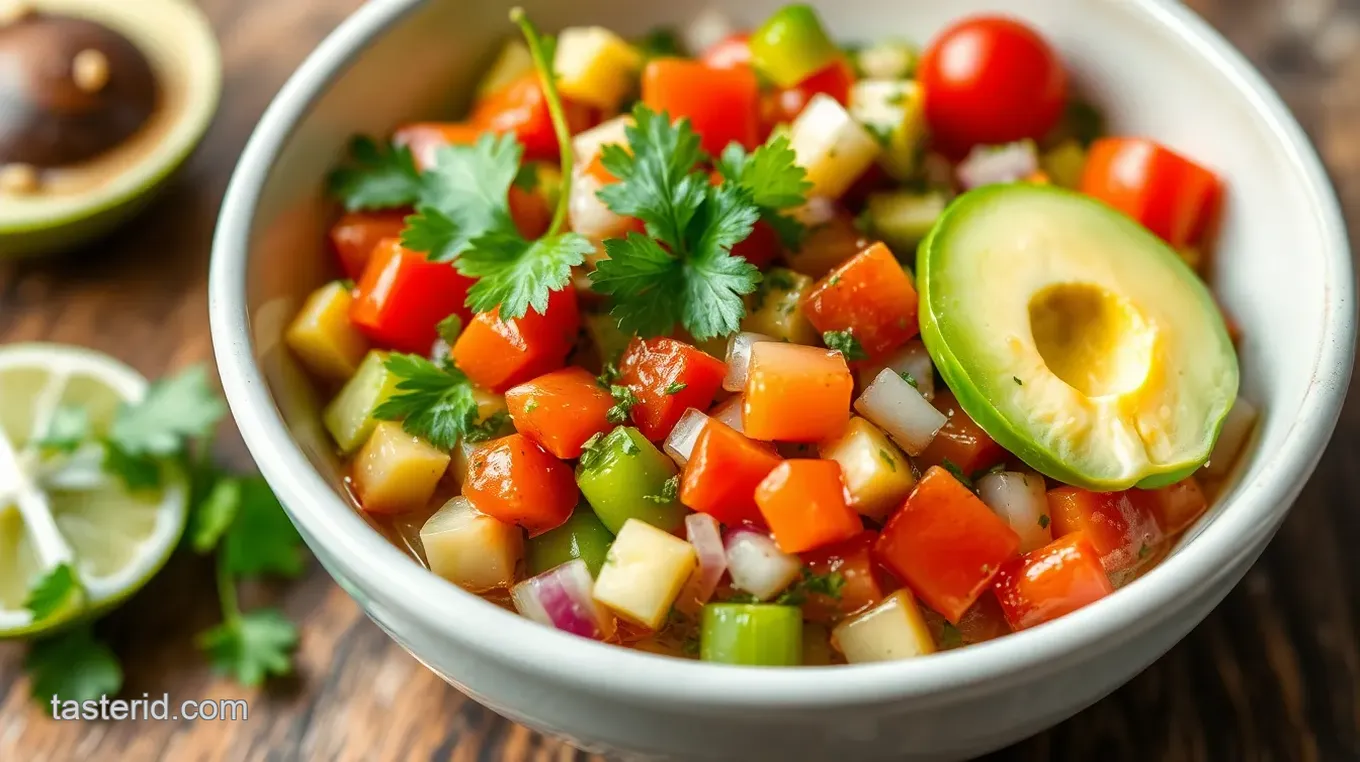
x,y
1074,337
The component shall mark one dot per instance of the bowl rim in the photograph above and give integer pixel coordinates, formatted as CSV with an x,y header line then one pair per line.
x,y
391,581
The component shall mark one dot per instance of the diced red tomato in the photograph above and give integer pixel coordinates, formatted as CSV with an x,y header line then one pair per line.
x,y
796,393
518,482
946,544
731,53
761,248
782,105
498,354
722,105
520,107
560,410
961,441
1122,530
402,296
1175,506
864,584
806,506
723,472
871,296
1169,194
426,138
1054,580
356,234
668,377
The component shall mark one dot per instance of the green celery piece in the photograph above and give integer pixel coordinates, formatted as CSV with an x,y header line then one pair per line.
x,y
752,634
792,45
618,476
349,417
583,537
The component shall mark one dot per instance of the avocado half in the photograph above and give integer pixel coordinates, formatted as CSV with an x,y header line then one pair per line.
x,y
107,132
1076,338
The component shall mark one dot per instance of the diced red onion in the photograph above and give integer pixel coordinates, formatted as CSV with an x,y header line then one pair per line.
x,y
1019,498
1009,163
710,27
702,531
561,598
911,358
729,412
1237,428
680,442
739,358
756,563
899,409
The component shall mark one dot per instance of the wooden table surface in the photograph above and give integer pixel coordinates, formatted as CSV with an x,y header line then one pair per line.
x,y
1273,674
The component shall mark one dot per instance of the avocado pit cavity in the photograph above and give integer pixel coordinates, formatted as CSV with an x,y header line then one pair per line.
x,y
1096,341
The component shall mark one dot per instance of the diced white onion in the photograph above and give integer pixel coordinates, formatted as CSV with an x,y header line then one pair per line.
x,y
587,143
707,29
913,359
1009,163
756,563
1019,498
739,358
833,147
900,410
729,412
1237,428
703,533
561,598
680,442
588,214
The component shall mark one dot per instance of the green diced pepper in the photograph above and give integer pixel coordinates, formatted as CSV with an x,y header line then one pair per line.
x,y
753,634
349,417
583,537
624,476
792,45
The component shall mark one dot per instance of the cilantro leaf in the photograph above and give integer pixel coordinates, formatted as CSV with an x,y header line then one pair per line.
x,y
261,539
776,182
624,401
910,379
433,403
73,666
449,329
251,646
830,584
658,182
68,427
174,409
375,178
845,343
488,429
52,592
516,274
465,197
215,515
647,282
136,471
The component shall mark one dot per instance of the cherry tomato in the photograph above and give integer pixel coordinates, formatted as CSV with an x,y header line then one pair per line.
x,y
988,80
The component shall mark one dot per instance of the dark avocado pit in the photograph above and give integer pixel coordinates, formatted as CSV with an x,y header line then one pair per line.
x,y
70,91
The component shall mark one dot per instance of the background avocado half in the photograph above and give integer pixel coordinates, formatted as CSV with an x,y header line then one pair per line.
x,y
1076,338
99,160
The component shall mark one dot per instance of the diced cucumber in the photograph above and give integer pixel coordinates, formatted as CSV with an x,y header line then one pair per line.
x,y
752,634
887,59
903,218
792,45
891,110
349,417
624,476
775,308
583,537
511,63
595,66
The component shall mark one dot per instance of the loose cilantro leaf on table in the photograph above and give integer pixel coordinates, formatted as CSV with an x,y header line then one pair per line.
x,y
252,646
431,402
776,182
174,410
52,591
845,343
73,666
376,177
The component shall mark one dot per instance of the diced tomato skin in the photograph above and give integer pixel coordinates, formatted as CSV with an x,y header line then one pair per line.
x,y
806,506
782,105
1050,582
945,544
869,295
520,107
1169,194
761,248
402,296
518,482
650,367
722,474
498,354
864,583
1174,507
961,441
356,234
730,53
1122,530
796,393
560,410
424,139
722,105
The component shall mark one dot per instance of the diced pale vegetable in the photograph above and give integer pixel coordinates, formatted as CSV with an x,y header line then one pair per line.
x,y
756,563
752,634
511,63
913,360
680,442
589,215
396,472
774,311
470,549
894,629
583,537
899,409
1019,498
892,111
833,147
876,473
988,165
792,45
625,477
595,66
710,27
887,59
561,598
323,337
349,417
1237,428
739,358
903,218
703,532
459,459
644,573
1064,163
587,143
729,412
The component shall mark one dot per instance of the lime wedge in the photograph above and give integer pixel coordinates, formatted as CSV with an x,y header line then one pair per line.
x,y
61,507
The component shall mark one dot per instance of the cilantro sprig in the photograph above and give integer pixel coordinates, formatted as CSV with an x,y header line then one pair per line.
x,y
376,177
432,402
776,182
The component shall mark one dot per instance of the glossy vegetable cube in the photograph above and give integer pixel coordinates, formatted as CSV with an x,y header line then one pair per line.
x,y
323,338
349,417
1054,580
796,393
520,107
896,405
356,234
470,549
396,472
960,442
518,482
1175,506
1169,194
806,506
722,105
402,296
911,361
945,544
751,634
512,63
871,297
595,66
1122,530
891,110
724,469
862,585
560,410
668,377
833,148
877,475
791,45
775,308
902,218
609,341
894,629
498,354
624,476
583,537
643,573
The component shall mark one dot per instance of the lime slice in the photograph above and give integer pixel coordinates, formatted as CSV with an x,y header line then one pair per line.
x,y
62,508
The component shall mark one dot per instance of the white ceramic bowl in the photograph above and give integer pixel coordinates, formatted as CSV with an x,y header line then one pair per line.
x,y
1155,68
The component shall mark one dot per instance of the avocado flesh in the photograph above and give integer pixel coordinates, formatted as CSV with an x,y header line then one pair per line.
x,y
1076,338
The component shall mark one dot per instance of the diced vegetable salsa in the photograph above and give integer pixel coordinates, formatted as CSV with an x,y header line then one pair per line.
x,y
789,432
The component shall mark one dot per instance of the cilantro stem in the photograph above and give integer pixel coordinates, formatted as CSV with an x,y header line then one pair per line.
x,y
559,118
226,592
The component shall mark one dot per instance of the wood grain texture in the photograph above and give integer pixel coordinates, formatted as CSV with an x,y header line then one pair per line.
x,y
1273,674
